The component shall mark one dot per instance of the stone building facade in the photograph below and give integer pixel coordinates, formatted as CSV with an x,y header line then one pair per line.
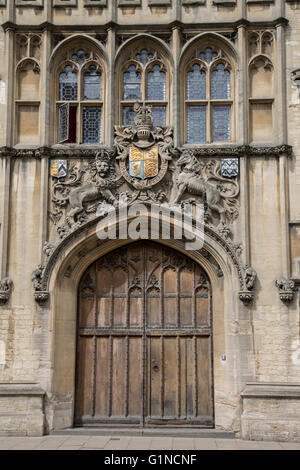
x,y
102,332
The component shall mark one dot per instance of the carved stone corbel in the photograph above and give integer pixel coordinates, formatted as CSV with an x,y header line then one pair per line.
x,y
286,288
247,294
40,294
295,77
6,286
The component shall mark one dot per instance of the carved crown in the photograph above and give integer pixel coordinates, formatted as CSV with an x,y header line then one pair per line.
x,y
143,119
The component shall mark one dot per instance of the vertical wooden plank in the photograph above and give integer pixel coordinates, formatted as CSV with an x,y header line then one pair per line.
x,y
85,364
162,377
195,376
170,377
183,378
135,308
190,386
104,300
126,376
204,378
153,317
102,408
135,370
120,295
118,377
170,298
155,376
178,377
110,394
186,300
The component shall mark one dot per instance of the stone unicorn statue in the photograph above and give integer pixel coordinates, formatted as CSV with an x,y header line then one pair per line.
x,y
188,177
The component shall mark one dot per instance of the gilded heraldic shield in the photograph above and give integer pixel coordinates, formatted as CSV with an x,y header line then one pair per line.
x,y
59,168
143,164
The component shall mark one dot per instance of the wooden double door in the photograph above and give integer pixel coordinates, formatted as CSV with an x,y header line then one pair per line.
x,y
144,340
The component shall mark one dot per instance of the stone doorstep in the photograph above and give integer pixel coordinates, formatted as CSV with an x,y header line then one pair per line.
x,y
170,432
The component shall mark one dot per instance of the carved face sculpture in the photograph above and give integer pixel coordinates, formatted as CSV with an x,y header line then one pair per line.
x,y
102,168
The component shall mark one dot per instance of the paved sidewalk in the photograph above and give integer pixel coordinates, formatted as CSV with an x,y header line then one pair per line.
x,y
110,443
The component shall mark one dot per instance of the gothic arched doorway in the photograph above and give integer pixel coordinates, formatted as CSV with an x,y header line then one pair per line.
x,y
144,350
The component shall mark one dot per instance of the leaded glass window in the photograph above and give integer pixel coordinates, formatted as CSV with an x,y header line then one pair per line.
x,y
221,123
68,86
91,124
128,116
196,124
159,115
92,84
196,83
80,81
132,84
63,122
220,83
156,84
208,98
144,78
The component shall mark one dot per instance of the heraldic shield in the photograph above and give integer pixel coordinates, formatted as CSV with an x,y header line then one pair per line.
x,y
143,164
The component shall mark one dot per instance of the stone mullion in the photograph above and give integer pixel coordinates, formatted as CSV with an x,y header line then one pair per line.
x,y
242,106
45,90
110,87
176,94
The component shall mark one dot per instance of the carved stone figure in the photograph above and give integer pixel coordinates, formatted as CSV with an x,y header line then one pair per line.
x,y
250,276
189,178
6,285
48,249
97,188
286,289
40,294
37,277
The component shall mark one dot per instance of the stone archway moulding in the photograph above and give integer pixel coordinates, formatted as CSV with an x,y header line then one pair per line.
x,y
215,255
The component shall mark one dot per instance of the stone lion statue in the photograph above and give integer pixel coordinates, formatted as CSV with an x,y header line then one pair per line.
x,y
99,187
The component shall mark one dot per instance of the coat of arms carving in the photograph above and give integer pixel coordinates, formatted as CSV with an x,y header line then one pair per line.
x,y
144,152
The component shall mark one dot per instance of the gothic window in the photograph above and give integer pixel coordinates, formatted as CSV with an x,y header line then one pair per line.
x,y
79,101
144,78
27,91
208,98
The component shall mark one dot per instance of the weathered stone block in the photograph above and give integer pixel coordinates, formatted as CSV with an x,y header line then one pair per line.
x,y
21,409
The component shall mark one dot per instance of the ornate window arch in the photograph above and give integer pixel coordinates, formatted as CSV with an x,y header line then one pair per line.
x,y
79,89
143,75
209,94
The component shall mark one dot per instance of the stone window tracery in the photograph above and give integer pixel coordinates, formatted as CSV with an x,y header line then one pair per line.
x,y
79,98
144,77
208,97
